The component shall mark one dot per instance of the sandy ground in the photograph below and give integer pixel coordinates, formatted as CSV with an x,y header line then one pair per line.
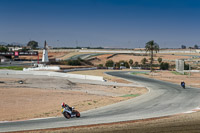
x,y
42,97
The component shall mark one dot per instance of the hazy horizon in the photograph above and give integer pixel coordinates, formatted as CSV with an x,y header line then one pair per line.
x,y
101,23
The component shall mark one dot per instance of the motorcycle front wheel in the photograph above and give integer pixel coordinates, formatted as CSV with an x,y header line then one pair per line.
x,y
66,115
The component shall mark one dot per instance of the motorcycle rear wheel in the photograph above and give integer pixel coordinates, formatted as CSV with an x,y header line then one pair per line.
x,y
78,114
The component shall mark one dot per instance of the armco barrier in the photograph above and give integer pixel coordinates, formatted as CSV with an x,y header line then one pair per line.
x,y
195,71
79,69
57,74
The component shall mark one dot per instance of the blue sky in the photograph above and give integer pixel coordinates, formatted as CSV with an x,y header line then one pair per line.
x,y
106,23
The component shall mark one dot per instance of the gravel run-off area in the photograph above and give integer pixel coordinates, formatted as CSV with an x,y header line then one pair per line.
x,y
41,96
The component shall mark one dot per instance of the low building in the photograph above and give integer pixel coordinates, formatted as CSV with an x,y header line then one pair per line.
x,y
14,48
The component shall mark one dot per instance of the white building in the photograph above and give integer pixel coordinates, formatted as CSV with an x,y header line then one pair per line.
x,y
45,53
14,48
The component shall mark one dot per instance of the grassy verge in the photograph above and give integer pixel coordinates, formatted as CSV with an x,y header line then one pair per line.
x,y
130,95
177,73
135,73
12,67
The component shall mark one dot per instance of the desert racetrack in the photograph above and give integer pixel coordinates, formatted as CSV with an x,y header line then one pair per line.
x,y
163,99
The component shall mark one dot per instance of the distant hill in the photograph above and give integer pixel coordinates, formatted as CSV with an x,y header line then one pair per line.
x,y
3,43
13,43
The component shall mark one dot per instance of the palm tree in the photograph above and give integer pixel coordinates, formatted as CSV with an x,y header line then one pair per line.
x,y
151,46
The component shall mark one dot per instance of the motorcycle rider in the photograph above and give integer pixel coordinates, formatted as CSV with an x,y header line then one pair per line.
x,y
65,105
183,84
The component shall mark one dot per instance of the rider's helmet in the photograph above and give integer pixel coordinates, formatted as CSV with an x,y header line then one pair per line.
x,y
63,104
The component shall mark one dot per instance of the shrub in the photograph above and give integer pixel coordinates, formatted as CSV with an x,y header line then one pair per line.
x,y
186,66
159,60
164,66
3,49
100,65
109,63
122,63
74,62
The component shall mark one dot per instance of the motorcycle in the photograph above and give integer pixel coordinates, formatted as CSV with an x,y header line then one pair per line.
x,y
68,113
183,85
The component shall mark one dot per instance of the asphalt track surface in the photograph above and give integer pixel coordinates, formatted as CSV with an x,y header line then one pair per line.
x,y
163,99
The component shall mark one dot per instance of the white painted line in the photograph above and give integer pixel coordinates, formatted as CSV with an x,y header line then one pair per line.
x,y
188,112
40,118
3,121
28,119
198,108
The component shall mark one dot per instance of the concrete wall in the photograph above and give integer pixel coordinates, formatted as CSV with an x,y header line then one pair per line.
x,y
57,74
195,71
79,69
179,65
42,68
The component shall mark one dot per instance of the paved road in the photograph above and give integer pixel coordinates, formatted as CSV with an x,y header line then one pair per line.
x,y
163,99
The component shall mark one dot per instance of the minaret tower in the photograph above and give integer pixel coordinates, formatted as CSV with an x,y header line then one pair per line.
x,y
45,53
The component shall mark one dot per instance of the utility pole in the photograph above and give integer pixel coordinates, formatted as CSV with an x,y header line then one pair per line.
x,y
189,70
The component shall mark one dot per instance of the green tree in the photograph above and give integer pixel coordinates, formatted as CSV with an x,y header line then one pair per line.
x,y
131,62
24,49
74,62
186,66
32,44
100,65
150,47
164,66
196,46
109,63
3,49
123,63
136,64
183,46
159,60
144,61
126,64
